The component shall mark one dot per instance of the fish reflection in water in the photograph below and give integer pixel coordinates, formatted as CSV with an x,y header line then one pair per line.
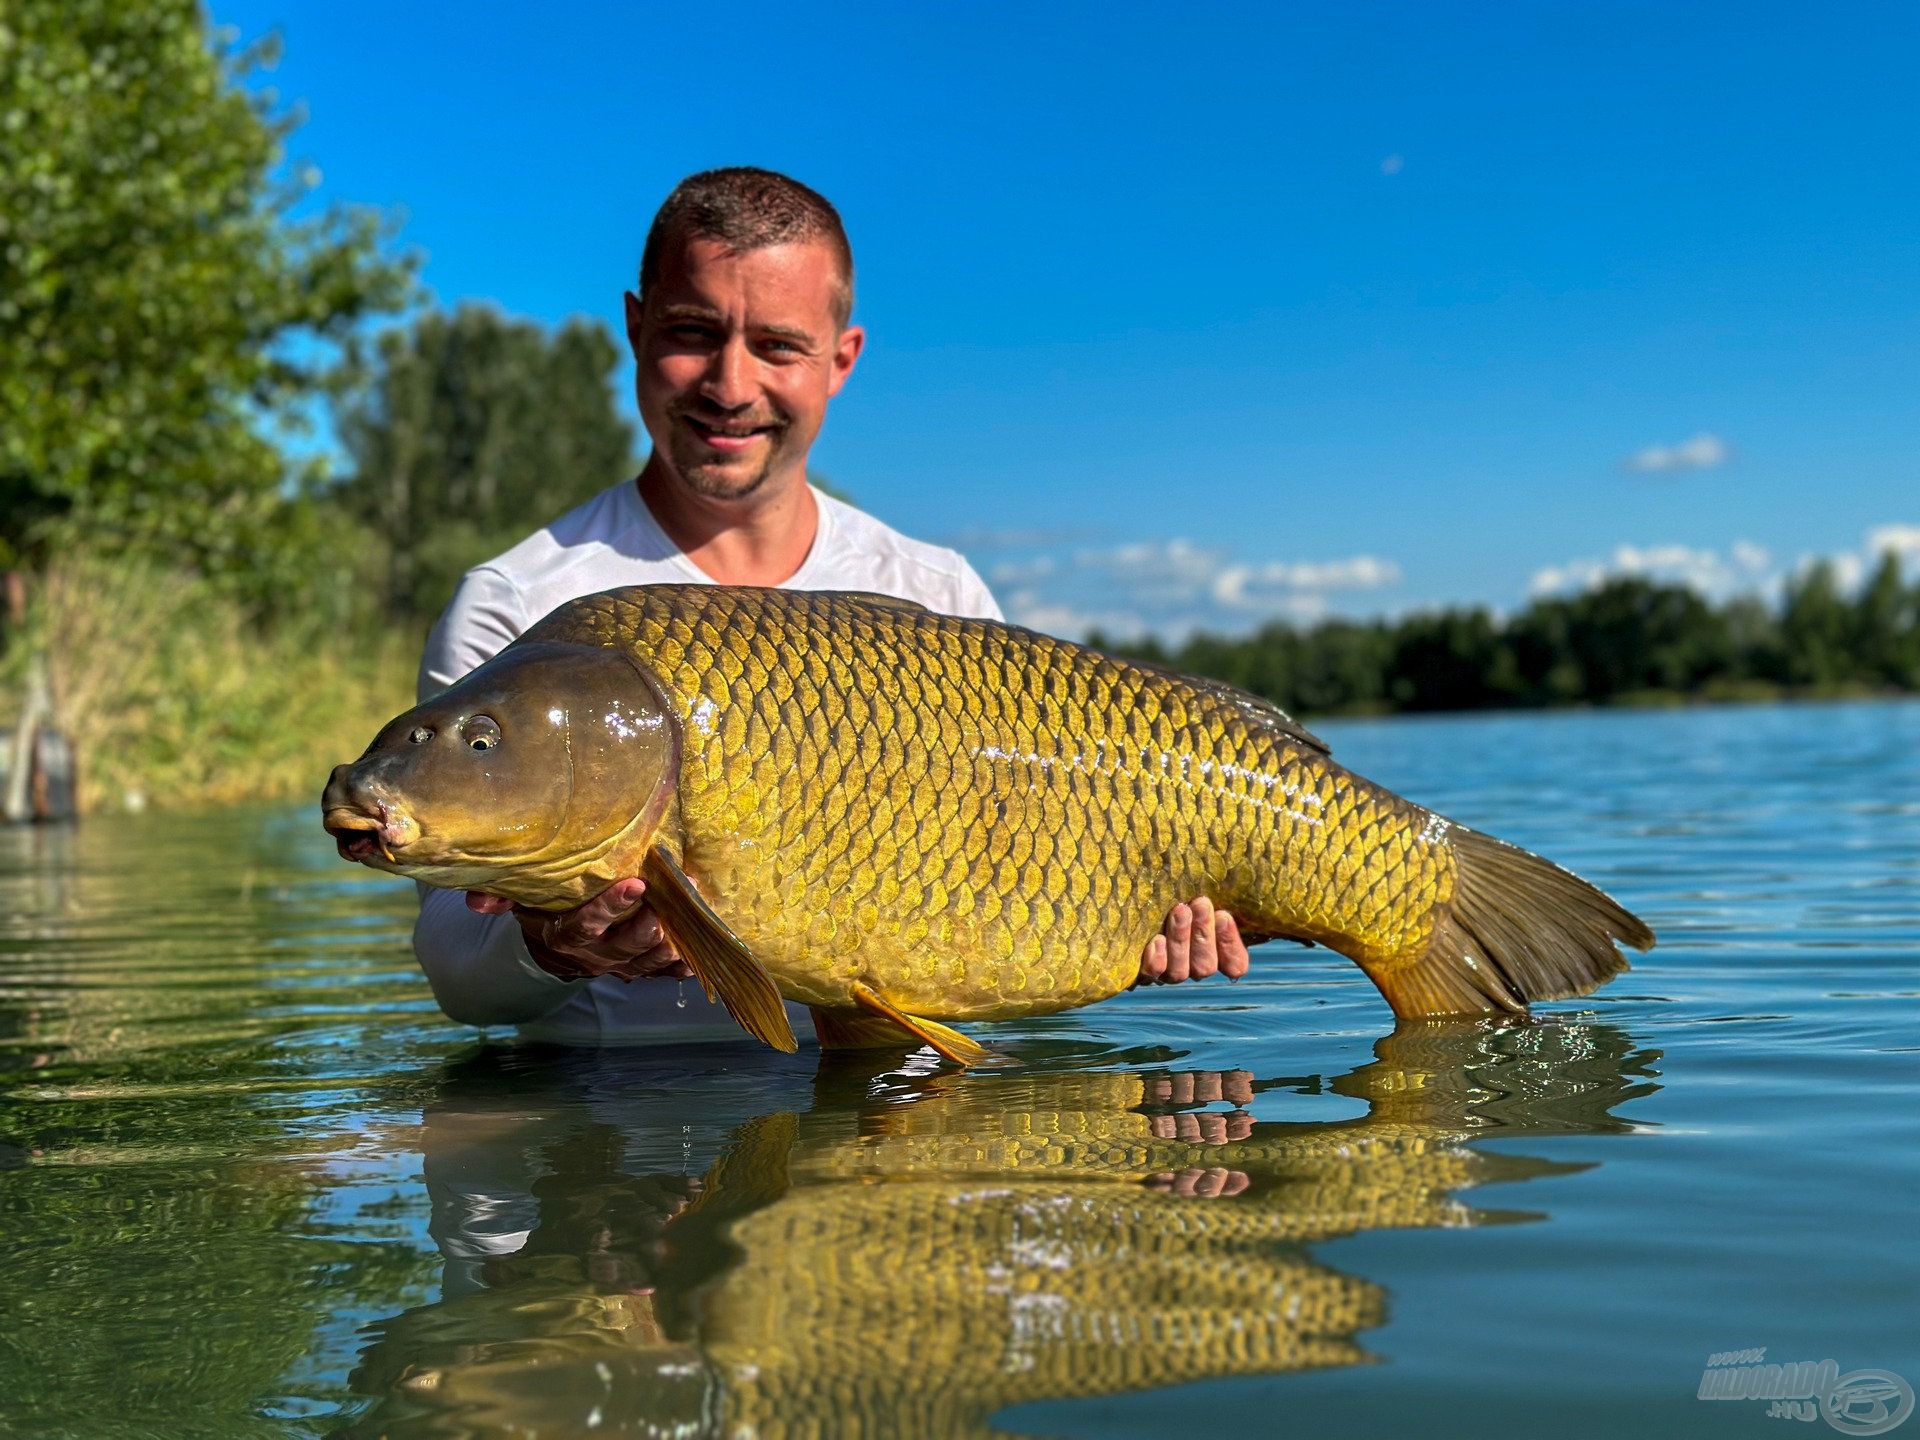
x,y
898,1255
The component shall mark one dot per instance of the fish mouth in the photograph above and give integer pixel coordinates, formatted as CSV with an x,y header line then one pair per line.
x,y
366,835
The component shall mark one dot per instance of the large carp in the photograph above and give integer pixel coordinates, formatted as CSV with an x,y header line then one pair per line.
x,y
899,818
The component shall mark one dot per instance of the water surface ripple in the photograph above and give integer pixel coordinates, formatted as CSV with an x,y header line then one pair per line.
x,y
252,1183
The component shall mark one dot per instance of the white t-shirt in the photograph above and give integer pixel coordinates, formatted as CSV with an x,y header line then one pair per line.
x,y
478,965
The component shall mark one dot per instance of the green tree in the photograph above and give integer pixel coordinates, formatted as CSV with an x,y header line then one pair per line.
x,y
1630,634
166,319
1885,643
473,429
1455,660
1753,634
1816,629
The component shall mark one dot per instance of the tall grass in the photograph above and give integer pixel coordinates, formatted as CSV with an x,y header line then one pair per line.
x,y
173,697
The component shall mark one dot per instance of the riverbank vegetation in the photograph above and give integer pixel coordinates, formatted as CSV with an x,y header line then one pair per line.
x,y
229,509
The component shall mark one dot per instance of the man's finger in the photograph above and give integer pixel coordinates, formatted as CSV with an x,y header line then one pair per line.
x,y
1179,944
1206,955
637,933
1153,963
592,920
657,964
482,903
1234,960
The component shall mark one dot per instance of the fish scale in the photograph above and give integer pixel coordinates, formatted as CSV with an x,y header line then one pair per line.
x,y
982,822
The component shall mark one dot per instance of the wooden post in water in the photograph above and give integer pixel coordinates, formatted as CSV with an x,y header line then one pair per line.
x,y
39,776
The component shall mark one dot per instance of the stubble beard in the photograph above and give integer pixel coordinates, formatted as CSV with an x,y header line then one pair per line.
x,y
717,480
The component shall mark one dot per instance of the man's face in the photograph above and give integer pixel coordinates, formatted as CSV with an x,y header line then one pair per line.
x,y
738,354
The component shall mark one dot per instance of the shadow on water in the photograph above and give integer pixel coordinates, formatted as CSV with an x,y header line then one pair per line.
x,y
830,1250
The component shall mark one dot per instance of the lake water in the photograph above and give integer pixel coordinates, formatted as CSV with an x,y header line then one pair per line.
x,y
252,1184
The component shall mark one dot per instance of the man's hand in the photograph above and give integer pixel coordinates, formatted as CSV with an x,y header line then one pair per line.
x,y
615,933
1197,941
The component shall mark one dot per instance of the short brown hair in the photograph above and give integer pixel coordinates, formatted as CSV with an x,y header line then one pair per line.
x,y
746,208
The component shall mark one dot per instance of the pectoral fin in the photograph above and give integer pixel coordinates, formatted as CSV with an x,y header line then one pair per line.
x,y
837,1030
724,966
950,1043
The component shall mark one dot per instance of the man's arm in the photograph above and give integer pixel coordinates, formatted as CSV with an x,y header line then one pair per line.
x,y
479,966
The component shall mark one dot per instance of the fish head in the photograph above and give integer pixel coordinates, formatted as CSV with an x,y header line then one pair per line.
x,y
541,777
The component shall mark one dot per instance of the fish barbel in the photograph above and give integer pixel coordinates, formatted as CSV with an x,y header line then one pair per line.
x,y
899,818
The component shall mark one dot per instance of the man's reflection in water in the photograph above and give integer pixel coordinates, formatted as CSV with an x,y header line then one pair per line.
x,y
856,1254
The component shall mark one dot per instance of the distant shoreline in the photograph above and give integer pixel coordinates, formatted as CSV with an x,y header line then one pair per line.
x,y
1641,701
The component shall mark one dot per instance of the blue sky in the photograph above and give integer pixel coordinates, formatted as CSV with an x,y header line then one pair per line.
x,y
1202,315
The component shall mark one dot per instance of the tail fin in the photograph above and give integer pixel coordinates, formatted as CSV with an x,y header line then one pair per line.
x,y
1518,928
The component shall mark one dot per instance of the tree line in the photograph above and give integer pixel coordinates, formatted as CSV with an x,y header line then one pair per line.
x,y
1630,639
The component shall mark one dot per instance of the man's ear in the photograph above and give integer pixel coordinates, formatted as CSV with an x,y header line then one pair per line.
x,y
634,315
846,350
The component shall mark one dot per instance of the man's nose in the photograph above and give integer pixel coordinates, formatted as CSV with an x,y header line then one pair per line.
x,y
729,379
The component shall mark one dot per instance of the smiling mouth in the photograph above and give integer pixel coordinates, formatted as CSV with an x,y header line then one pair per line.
x,y
726,437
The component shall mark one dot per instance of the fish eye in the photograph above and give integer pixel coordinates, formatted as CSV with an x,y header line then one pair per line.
x,y
421,734
480,733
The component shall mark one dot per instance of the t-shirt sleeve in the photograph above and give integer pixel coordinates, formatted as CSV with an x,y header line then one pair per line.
x,y
972,599
487,614
478,965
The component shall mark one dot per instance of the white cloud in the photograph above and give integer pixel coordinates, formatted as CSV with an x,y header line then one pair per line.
x,y
1021,572
1173,587
1851,568
1393,164
1745,567
1069,621
1703,452
1189,570
1901,540
1260,587
1168,572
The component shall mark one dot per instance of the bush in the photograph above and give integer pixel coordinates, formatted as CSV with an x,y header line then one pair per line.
x,y
172,695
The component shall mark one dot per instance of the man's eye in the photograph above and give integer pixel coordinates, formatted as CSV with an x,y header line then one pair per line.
x,y
689,332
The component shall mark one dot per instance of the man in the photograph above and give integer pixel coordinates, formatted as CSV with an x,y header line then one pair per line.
x,y
741,334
